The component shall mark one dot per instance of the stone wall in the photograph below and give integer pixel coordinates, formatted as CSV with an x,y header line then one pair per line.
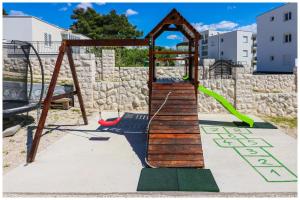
x,y
104,88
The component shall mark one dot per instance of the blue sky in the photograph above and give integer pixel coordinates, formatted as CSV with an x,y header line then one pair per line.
x,y
216,16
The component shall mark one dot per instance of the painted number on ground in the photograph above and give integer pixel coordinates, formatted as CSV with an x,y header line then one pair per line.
x,y
276,174
262,161
228,143
251,151
214,129
236,130
232,136
255,142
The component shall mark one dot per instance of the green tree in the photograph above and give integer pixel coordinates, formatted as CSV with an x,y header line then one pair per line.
x,y
4,13
108,26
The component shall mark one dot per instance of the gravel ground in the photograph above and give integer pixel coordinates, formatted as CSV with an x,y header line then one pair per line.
x,y
14,147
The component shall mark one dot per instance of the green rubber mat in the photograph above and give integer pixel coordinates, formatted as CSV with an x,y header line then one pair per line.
x,y
177,179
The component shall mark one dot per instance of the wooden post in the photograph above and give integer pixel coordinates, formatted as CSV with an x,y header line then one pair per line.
x,y
76,83
47,102
196,63
190,61
151,72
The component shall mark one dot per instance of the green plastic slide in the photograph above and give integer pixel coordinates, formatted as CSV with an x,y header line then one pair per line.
x,y
186,77
226,105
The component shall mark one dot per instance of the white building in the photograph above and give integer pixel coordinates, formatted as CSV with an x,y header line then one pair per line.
x,y
41,33
277,39
236,46
203,43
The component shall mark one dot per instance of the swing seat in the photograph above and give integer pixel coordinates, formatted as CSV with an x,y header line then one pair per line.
x,y
109,123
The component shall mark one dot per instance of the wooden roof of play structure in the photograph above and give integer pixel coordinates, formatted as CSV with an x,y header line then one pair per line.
x,y
180,24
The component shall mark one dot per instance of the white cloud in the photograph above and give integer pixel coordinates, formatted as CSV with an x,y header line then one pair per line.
x,y
84,6
100,3
174,37
17,13
250,27
231,7
221,26
63,9
130,12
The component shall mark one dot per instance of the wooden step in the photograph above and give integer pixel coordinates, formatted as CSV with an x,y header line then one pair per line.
x,y
174,149
175,141
173,102
175,123
177,163
175,118
180,136
174,157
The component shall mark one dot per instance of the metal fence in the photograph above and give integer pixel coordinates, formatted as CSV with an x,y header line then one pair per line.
x,y
52,48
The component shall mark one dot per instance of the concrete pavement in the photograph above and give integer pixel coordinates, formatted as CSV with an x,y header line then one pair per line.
x,y
93,160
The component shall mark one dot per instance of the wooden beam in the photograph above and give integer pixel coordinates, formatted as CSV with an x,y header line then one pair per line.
x,y
76,83
60,96
172,52
108,42
166,59
47,102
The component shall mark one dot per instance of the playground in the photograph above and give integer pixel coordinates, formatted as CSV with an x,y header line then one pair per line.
x,y
172,147
109,160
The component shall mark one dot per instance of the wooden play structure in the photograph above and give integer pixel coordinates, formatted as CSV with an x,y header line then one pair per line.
x,y
173,134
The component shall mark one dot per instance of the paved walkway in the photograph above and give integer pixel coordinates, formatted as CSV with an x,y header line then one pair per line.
x,y
91,159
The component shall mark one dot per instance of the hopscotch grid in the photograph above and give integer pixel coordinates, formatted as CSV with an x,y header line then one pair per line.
x,y
244,157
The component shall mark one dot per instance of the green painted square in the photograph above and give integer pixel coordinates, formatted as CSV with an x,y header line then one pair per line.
x,y
276,174
236,130
251,151
196,180
158,179
232,136
255,142
262,161
228,143
214,129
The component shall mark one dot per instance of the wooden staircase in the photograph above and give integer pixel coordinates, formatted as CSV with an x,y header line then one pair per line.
x,y
174,136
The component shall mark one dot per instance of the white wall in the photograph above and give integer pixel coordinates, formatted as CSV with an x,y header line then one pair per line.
x,y
40,27
16,28
277,28
244,46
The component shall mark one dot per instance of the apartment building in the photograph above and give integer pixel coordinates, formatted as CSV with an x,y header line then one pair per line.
x,y
203,43
277,39
236,46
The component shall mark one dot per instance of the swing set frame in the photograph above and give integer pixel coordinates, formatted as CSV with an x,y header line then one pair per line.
x,y
66,48
173,18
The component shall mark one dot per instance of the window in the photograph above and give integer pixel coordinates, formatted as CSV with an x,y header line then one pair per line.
x,y
272,38
222,53
287,16
271,58
222,40
47,39
245,53
287,38
272,18
245,39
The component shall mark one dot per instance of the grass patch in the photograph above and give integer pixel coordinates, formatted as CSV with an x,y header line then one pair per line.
x,y
283,121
